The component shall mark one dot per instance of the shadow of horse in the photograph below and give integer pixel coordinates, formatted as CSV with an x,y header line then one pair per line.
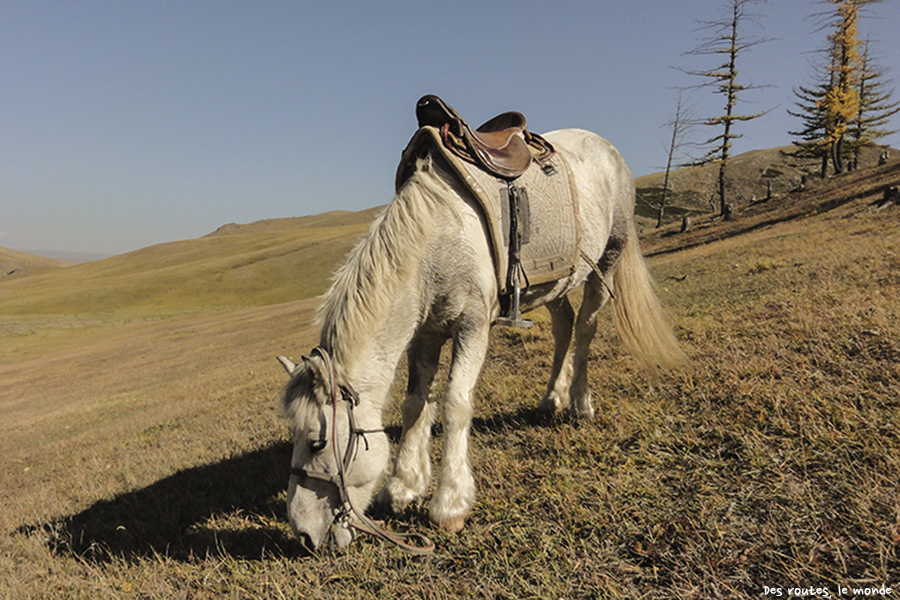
x,y
178,517
498,423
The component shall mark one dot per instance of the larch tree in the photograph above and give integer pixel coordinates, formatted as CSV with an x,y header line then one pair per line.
x,y
841,100
726,43
875,106
811,141
849,106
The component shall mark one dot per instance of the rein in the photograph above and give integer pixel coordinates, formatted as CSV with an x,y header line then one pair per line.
x,y
366,525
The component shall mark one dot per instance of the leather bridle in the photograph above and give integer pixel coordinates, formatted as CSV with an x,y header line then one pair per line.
x,y
348,396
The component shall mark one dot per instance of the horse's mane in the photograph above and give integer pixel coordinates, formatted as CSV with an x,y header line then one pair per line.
x,y
362,289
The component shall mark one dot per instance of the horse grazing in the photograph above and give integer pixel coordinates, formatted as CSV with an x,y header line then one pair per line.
x,y
423,275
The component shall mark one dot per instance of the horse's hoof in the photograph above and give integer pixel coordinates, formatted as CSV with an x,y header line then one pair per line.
x,y
388,505
582,408
584,414
549,408
451,525
547,411
550,404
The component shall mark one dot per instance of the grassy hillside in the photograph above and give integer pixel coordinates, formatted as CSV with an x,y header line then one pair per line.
x,y
143,456
818,197
16,263
749,175
239,265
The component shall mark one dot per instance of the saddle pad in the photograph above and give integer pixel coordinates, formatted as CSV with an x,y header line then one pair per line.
x,y
552,250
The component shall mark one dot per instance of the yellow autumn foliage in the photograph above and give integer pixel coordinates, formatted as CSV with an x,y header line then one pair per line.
x,y
841,102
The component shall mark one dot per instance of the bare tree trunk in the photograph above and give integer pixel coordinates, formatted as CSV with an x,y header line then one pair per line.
x,y
681,124
727,43
837,158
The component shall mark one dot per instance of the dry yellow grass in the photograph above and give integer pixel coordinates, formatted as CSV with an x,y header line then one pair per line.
x,y
143,457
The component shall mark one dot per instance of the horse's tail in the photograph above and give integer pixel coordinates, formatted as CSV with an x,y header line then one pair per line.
x,y
638,315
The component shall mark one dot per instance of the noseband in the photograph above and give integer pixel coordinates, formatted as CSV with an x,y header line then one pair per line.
x,y
350,398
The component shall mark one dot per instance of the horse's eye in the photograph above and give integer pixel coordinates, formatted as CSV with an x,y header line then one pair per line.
x,y
316,446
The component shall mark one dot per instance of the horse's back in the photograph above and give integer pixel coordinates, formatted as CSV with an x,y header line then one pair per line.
x,y
602,181
581,146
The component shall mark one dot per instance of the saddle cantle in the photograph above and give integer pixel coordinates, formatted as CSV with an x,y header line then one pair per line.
x,y
502,146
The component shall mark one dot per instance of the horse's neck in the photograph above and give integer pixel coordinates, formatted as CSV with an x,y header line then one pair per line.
x,y
370,365
374,306
368,355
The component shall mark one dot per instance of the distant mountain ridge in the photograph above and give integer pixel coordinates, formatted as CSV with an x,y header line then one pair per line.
x,y
71,257
335,218
260,263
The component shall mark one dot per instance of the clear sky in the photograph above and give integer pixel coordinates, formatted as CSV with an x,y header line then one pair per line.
x,y
126,124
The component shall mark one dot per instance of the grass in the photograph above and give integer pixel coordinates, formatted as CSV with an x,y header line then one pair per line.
x,y
143,457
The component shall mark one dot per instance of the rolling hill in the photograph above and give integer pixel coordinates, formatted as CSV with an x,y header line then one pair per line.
x,y
14,262
260,263
327,220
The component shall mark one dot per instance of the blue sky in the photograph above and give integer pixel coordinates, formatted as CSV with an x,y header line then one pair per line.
x,y
126,124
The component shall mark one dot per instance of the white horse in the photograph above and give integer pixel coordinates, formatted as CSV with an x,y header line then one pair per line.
x,y
424,275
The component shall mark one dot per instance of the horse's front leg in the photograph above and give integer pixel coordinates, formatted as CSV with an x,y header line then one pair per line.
x,y
455,493
412,469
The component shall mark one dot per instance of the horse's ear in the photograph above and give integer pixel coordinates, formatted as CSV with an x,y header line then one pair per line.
x,y
318,370
323,374
288,365
308,383
316,366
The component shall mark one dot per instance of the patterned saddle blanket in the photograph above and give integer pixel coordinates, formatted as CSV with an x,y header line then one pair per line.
x,y
542,211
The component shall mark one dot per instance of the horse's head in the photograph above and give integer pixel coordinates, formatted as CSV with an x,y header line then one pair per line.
x,y
336,463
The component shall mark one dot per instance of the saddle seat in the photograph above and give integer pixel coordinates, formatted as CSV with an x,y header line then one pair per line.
x,y
502,146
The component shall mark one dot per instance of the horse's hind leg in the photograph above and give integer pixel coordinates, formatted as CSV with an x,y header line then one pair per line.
x,y
557,396
412,469
595,296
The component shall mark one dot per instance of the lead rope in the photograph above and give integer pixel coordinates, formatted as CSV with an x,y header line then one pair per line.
x,y
368,526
